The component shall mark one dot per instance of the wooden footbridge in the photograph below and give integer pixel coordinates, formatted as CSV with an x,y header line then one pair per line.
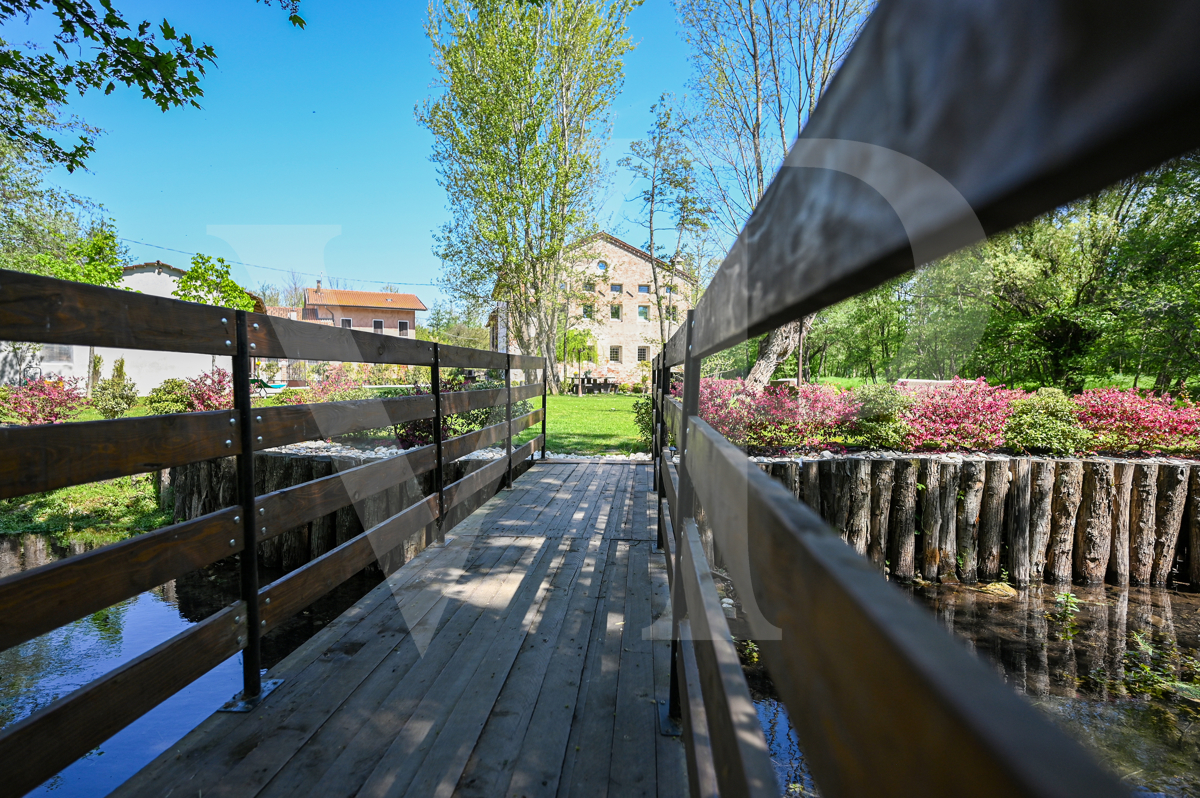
x,y
566,637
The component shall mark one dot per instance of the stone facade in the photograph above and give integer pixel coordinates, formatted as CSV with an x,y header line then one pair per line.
x,y
624,322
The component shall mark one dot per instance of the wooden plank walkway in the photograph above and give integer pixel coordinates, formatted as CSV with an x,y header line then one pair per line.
x,y
509,662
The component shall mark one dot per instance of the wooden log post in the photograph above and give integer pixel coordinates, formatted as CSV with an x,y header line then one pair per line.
x,y
948,479
991,518
902,519
1141,522
931,516
966,518
346,522
1093,525
857,486
274,467
1118,556
322,531
1193,518
827,480
882,475
293,546
1168,512
1068,491
1016,521
1041,497
810,485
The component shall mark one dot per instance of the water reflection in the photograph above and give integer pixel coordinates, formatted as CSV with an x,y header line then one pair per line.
x,y
51,666
1114,668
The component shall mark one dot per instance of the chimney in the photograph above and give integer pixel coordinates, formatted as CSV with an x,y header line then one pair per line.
x,y
318,286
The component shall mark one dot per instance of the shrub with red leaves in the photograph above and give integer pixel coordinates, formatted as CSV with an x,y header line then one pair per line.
x,y
48,400
775,417
212,390
1135,421
966,414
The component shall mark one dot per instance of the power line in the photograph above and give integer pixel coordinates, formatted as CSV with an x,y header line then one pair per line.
x,y
272,268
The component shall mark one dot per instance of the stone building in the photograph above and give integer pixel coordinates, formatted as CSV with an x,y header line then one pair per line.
x,y
619,307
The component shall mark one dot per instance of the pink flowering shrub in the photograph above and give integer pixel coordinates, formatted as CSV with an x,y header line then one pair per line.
x,y
775,417
339,383
212,390
1131,420
48,400
967,414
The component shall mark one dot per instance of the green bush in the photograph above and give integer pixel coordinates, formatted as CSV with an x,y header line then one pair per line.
x,y
113,397
643,416
170,397
625,387
878,424
1045,422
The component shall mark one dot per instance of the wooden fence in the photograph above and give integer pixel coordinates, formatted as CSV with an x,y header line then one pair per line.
x,y
1017,107
43,458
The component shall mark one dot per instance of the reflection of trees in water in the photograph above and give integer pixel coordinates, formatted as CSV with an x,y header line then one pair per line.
x,y
790,765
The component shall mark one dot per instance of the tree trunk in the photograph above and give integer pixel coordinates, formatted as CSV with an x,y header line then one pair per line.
x,y
779,343
931,517
1016,521
1068,488
1041,496
902,517
858,487
829,474
948,477
1141,522
294,543
1093,528
810,485
1168,511
323,531
882,475
971,481
991,519
1194,533
1118,556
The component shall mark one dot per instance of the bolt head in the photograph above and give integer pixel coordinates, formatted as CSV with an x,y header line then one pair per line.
x,y
241,640
232,421
260,439
263,531
237,519
228,443
237,619
268,600
256,325
254,346
232,543
262,623
229,343
262,510
258,419
224,321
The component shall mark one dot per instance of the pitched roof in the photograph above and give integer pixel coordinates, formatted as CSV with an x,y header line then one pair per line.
x,y
630,248
283,312
158,264
362,299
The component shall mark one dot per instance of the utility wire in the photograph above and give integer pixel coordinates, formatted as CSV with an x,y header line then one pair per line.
x,y
272,268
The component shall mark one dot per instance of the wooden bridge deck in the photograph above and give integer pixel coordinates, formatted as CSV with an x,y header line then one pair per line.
x,y
509,662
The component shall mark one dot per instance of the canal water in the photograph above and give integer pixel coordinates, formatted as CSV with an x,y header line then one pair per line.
x,y
1116,669
51,666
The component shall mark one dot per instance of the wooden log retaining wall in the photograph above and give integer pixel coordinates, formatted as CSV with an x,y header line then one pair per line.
x,y
1025,519
206,486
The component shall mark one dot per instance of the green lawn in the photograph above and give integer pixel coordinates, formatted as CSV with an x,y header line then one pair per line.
x,y
596,424
100,512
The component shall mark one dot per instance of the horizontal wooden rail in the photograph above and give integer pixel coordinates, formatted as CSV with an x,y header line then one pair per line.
x,y
270,336
277,426
36,601
670,484
859,665
740,754
461,446
674,414
530,362
458,492
466,401
37,747
53,456
702,774
464,358
522,392
50,311
1032,107
285,597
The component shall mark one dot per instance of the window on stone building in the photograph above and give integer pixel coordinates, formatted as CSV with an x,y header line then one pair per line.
x,y
668,289
377,325
617,288
347,323
589,311
614,312
671,315
589,287
614,354
643,313
643,354
403,329
643,289
601,266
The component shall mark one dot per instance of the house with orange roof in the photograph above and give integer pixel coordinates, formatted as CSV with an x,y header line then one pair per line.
x,y
371,311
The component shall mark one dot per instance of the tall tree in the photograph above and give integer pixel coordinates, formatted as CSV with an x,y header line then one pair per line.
x,y
518,127
759,68
36,80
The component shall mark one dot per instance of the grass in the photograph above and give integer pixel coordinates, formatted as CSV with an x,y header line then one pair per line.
x,y
99,512
595,424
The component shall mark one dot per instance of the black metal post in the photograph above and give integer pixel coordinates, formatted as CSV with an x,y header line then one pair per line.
x,y
435,386
251,654
508,449
691,405
545,389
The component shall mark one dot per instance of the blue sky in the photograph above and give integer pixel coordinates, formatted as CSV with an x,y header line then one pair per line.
x,y
306,154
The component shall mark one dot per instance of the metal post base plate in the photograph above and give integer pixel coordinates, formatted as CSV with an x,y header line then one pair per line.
x,y
667,725
239,704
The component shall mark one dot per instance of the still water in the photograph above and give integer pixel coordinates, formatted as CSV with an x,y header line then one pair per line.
x,y
1116,669
51,666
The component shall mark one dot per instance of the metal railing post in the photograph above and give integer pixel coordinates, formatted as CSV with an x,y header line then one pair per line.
x,y
252,653
508,449
439,480
545,390
691,406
